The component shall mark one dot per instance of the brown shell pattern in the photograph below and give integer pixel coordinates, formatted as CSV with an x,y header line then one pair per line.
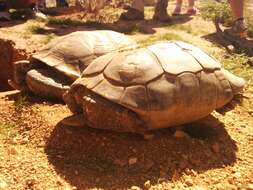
x,y
152,78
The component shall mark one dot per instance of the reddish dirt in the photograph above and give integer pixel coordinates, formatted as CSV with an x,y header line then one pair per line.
x,y
9,54
37,152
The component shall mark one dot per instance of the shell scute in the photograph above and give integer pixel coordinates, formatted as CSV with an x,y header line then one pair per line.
x,y
109,91
133,68
135,98
205,60
173,60
162,94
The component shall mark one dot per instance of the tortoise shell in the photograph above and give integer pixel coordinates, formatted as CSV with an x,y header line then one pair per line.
x,y
165,84
72,53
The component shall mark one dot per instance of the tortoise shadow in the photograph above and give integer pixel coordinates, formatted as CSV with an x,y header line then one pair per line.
x,y
90,158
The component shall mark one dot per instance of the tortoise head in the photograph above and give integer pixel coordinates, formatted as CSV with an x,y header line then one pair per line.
x,y
237,84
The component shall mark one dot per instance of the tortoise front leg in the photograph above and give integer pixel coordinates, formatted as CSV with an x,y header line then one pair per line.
x,y
20,68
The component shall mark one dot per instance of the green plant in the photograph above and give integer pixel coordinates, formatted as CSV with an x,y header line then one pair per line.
x,y
250,30
21,101
8,130
213,10
70,22
164,37
36,29
48,38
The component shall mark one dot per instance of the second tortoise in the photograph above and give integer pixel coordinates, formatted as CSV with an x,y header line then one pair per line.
x,y
51,71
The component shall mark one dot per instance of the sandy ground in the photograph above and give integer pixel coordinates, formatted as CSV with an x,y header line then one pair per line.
x,y
37,152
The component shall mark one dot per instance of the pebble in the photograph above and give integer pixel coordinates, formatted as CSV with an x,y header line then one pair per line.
x,y
189,182
24,141
135,188
237,175
12,151
3,185
132,161
148,136
13,141
216,148
147,184
249,186
181,134
119,162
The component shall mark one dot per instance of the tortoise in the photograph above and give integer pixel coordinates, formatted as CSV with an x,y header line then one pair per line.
x,y
165,84
51,71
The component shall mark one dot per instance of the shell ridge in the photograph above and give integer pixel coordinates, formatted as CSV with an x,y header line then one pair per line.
x,y
156,57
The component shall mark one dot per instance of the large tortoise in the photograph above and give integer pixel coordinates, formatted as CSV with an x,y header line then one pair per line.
x,y
50,72
163,85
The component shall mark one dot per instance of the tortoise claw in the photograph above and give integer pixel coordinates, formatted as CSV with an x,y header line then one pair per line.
x,y
74,120
16,85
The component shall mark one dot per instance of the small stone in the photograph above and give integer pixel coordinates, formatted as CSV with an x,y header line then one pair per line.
x,y
237,175
181,134
13,141
24,141
183,164
249,186
216,148
132,161
230,180
119,162
231,48
12,151
3,185
147,184
189,182
148,136
135,188
97,180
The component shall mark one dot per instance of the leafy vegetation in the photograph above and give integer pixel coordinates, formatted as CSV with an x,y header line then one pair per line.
x,y
67,21
250,30
21,101
8,130
164,37
213,10
36,29
48,38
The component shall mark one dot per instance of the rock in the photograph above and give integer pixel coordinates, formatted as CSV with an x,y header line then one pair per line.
x,y
237,174
135,188
8,56
13,141
249,186
189,182
231,49
148,136
119,162
24,141
12,151
183,164
147,184
216,148
181,134
3,185
132,161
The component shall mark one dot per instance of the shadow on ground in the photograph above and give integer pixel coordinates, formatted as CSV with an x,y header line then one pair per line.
x,y
127,27
89,158
232,46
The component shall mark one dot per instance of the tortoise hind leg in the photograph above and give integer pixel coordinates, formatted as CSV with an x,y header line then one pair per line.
x,y
103,114
20,68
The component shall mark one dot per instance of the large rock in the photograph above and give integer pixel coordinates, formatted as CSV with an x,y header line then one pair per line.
x,y
8,55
